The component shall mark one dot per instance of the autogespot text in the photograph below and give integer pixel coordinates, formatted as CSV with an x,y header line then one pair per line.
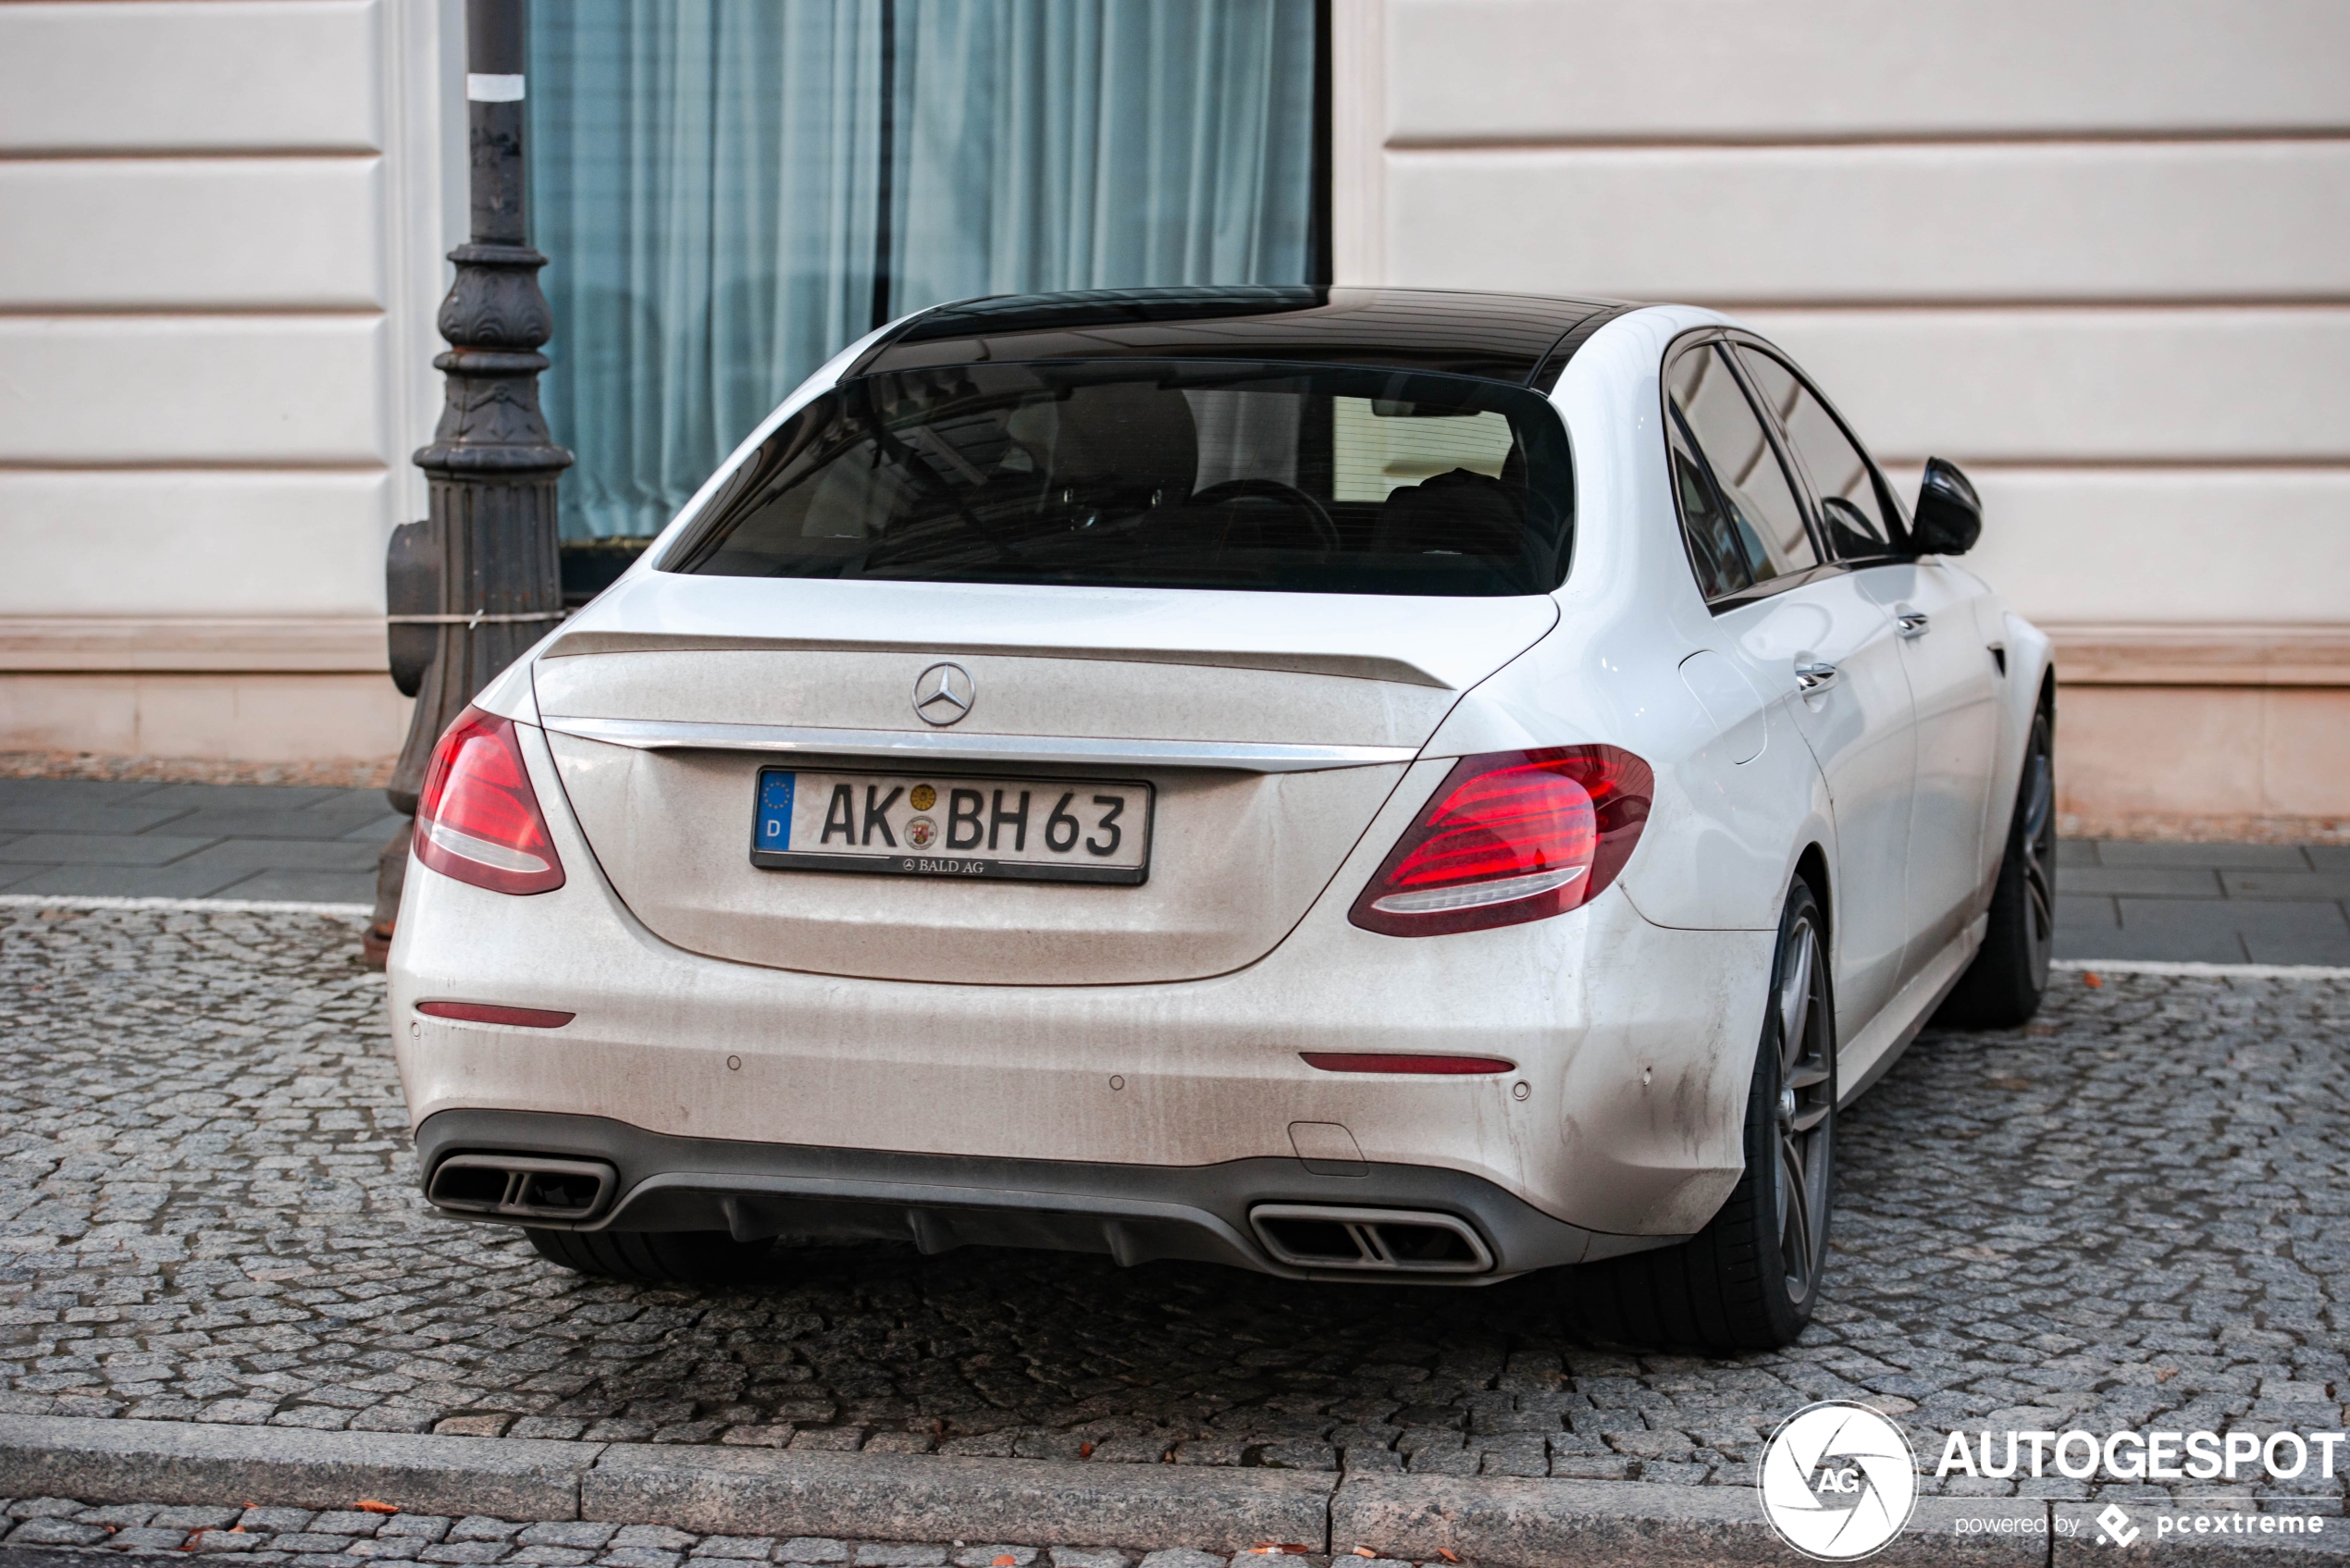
x,y
2142,1456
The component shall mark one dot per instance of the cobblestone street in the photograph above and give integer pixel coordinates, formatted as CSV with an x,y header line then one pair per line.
x,y
356,1537
2131,1213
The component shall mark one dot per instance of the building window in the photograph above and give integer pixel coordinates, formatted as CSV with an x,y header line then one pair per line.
x,y
733,191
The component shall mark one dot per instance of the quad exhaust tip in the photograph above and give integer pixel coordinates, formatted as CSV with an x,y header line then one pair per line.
x,y
522,1187
1320,1236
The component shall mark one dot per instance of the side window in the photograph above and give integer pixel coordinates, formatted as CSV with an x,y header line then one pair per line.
x,y
1851,503
1717,554
1756,497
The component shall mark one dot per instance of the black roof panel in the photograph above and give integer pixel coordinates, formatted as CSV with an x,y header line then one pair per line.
x,y
1523,338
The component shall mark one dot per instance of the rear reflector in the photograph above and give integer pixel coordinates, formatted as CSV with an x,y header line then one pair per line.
x,y
1372,1061
477,819
491,1012
1511,837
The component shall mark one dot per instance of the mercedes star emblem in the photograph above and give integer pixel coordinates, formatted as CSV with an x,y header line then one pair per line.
x,y
942,694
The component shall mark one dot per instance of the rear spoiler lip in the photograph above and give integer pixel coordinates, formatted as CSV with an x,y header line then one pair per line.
x,y
933,747
1354,666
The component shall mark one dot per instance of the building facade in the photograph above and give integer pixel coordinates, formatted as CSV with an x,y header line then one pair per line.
x,y
2099,253
221,231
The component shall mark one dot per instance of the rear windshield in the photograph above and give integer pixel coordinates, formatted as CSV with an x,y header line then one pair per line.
x,y
1285,479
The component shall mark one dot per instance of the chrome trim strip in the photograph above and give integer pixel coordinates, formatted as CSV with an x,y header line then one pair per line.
x,y
933,747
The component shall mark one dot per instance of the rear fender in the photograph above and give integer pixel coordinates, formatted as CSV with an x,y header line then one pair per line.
x,y
2031,668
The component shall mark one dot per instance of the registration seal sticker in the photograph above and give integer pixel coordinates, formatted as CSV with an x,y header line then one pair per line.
x,y
921,832
1839,1481
923,800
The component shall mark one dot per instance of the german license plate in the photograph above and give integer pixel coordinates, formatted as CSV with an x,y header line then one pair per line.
x,y
929,824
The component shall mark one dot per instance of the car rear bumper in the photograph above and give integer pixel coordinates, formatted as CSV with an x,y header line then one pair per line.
x,y
1632,1046
1268,1214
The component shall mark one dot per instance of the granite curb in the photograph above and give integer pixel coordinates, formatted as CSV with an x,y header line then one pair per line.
x,y
1532,1523
1492,1522
97,901
749,1491
100,1460
906,1497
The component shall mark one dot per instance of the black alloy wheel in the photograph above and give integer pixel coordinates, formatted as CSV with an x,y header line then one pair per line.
x,y
2036,841
2002,987
1804,1114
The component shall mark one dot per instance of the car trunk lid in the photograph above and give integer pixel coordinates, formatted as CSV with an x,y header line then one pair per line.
x,y
1270,728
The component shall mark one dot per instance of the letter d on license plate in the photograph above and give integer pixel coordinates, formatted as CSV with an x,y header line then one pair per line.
x,y
936,824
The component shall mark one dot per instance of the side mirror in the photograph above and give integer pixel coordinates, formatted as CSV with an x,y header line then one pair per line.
x,y
1949,514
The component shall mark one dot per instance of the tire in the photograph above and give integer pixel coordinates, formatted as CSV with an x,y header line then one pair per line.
x,y
1748,1281
643,1257
2002,988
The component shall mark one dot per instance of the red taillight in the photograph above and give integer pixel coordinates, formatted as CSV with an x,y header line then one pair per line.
x,y
477,819
496,1012
1514,836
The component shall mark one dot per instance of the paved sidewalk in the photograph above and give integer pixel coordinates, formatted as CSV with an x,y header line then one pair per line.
x,y
192,841
2211,903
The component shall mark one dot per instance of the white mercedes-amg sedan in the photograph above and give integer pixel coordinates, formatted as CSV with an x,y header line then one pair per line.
x,y
1360,785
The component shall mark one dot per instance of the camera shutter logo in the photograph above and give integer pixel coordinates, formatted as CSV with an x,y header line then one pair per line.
x,y
1839,1481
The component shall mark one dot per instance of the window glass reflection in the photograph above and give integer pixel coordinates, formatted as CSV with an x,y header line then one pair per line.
x,y
1849,503
1757,499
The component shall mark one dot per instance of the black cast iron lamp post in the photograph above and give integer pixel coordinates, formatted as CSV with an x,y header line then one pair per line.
x,y
480,580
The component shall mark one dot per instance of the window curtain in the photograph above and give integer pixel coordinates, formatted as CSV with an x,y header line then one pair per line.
x,y
720,184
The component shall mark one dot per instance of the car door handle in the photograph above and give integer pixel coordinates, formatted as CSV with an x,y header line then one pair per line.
x,y
1913,622
1814,677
